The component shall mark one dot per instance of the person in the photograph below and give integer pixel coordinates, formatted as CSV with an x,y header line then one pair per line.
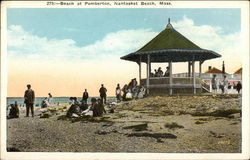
x,y
14,111
214,83
45,103
238,87
50,99
142,92
85,96
125,91
100,108
167,72
160,72
103,94
118,93
224,83
130,84
94,107
74,108
84,106
134,82
29,99
135,92
156,73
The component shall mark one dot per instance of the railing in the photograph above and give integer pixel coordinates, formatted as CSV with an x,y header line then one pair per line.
x,y
235,77
163,82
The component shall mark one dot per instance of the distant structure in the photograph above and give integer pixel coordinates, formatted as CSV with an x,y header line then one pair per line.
x,y
170,46
238,71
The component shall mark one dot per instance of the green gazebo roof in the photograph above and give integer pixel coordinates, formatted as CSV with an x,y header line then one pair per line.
x,y
170,45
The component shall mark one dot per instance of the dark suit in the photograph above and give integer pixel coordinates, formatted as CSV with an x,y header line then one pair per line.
x,y
29,99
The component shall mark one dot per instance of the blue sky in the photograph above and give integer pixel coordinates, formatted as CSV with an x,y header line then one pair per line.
x,y
82,47
85,26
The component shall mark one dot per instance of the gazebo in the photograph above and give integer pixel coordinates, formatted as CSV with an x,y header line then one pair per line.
x,y
171,46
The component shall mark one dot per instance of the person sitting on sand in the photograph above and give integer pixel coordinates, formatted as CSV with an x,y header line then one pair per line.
x,y
74,108
45,103
14,111
100,108
94,107
84,106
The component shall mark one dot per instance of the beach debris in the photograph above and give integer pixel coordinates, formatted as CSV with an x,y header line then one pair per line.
x,y
235,115
45,115
139,127
200,122
12,149
173,125
216,135
102,132
153,135
112,110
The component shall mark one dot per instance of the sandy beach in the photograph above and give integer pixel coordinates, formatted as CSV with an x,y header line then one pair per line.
x,y
171,124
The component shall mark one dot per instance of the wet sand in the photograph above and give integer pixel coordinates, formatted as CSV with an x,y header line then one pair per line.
x,y
177,124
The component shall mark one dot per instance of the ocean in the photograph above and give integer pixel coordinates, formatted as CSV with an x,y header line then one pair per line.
x,y
38,100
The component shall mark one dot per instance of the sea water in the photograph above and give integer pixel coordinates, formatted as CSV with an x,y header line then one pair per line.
x,y
56,100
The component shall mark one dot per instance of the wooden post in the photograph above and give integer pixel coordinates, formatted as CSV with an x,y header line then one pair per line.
x,y
193,72
140,71
189,69
170,78
148,67
200,68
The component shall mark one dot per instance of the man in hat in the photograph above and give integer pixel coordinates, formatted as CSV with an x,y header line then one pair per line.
x,y
29,99
85,96
103,94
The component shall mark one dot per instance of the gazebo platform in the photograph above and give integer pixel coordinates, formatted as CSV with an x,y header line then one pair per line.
x,y
180,85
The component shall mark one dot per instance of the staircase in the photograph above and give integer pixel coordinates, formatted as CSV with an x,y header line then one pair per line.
x,y
205,87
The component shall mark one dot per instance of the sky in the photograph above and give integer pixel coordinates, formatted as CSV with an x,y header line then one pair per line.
x,y
63,51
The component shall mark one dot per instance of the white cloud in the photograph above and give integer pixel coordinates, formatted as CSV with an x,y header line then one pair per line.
x,y
21,42
116,44
210,37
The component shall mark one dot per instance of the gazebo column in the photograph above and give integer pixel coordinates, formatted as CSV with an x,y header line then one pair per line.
x,y
200,65
148,73
139,70
170,78
189,69
193,72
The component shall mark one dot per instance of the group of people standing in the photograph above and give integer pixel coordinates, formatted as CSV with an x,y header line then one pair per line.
x,y
130,91
224,85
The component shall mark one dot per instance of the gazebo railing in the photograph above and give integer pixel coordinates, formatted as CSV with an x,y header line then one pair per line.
x,y
177,82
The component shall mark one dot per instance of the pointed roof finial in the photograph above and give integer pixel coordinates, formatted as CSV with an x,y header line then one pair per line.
x,y
169,25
